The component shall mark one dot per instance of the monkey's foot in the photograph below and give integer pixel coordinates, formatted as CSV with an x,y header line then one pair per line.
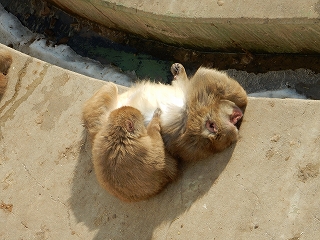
x,y
177,70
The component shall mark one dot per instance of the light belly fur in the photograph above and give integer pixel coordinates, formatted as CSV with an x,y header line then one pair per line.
x,y
147,97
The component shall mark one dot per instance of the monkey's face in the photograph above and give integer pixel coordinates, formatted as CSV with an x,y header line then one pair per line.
x,y
216,124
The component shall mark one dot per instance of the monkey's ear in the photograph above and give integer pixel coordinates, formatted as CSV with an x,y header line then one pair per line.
x,y
236,115
129,126
211,126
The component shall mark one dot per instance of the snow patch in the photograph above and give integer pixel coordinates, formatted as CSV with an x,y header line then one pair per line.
x,y
12,32
282,93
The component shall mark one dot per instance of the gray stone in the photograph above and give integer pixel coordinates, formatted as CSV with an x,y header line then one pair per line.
x,y
253,25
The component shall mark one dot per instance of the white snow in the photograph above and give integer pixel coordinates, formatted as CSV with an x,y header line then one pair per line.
x,y
33,44
282,93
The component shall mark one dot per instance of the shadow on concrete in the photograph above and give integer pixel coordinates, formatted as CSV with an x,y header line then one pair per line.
x,y
113,219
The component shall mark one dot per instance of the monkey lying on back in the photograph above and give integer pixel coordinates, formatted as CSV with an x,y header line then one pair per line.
x,y
199,115
129,159
5,63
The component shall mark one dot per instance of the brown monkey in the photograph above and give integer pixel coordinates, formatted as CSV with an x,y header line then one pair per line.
x,y
208,122
199,116
98,107
129,159
141,166
5,63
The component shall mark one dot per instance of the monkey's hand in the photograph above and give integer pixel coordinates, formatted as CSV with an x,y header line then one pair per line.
x,y
157,113
153,127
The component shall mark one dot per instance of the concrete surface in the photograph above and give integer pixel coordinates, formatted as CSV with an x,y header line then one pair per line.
x,y
220,25
264,187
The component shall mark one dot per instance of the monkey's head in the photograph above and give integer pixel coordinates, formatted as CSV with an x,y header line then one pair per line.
x,y
212,121
127,120
213,127
221,127
208,123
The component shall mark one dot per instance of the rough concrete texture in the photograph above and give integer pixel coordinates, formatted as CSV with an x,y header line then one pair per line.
x,y
221,25
266,186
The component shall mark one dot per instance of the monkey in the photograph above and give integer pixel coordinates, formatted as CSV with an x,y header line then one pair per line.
x,y
98,107
129,159
5,63
200,116
210,115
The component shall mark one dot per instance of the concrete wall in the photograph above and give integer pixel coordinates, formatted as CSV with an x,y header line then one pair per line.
x,y
254,25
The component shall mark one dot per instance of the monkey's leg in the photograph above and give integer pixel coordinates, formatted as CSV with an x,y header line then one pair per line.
x,y
153,129
179,72
171,166
101,103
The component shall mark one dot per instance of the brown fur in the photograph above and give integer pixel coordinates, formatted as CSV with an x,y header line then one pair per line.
x,y
129,159
207,125
5,63
97,108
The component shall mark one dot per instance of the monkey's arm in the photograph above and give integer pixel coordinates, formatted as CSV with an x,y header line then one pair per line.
x,y
102,102
235,93
153,128
220,84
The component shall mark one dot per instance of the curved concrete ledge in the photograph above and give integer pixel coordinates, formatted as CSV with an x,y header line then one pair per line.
x,y
254,26
264,187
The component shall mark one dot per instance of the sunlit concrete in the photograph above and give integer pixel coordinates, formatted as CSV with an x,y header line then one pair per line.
x,y
266,186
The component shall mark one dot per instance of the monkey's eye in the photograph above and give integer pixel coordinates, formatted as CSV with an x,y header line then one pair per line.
x,y
211,126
